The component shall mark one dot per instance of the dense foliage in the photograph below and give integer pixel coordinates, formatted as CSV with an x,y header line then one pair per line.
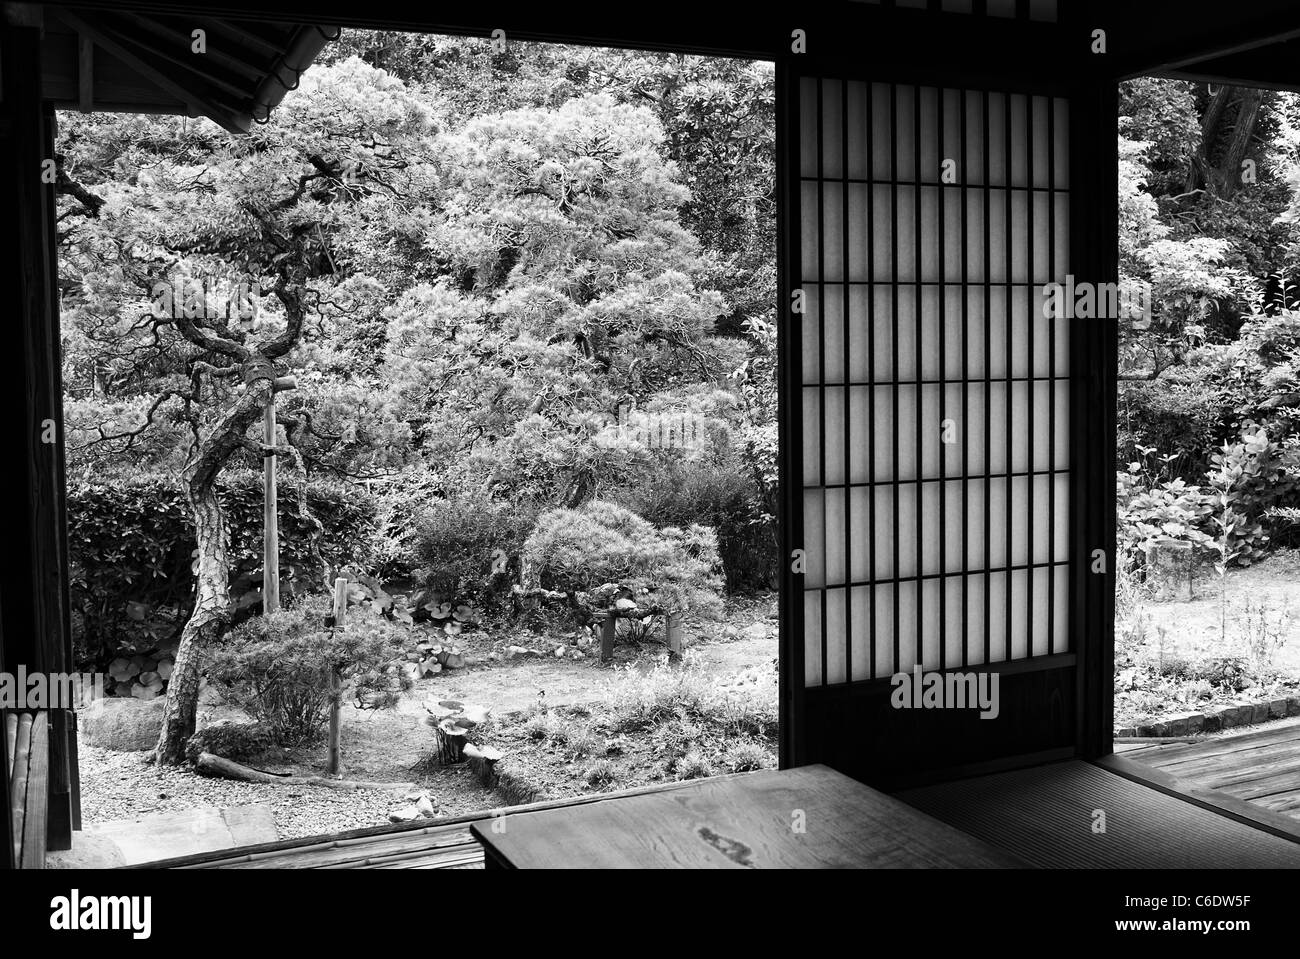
x,y
1211,378
488,272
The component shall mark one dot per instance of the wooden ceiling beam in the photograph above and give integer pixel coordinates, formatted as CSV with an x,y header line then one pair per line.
x,y
185,63
184,41
198,103
85,73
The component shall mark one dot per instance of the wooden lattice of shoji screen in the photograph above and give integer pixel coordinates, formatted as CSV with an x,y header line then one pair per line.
x,y
935,393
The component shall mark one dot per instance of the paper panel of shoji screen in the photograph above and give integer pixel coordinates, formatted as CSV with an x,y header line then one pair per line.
x,y
935,394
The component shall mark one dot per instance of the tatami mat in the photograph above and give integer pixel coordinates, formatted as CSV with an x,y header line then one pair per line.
x,y
1051,816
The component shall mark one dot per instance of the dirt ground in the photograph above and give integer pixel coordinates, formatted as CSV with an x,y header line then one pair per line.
x,y
1221,618
391,745
1171,656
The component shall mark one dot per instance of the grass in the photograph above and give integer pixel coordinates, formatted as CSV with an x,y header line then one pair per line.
x,y
654,721
694,765
1227,647
739,707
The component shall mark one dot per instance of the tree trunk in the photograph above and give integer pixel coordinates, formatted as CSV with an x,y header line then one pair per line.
x,y
203,628
212,599
1243,132
1198,174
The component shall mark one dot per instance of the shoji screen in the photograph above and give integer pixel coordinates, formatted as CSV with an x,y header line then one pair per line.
x,y
934,393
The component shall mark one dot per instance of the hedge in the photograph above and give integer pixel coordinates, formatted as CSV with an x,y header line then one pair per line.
x,y
131,549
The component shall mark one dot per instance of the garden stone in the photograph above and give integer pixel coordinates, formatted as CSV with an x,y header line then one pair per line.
x,y
1169,562
1195,723
1128,732
1293,705
424,806
1258,712
521,652
122,723
1214,721
1177,726
1277,709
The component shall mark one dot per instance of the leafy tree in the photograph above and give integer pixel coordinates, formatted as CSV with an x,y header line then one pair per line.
x,y
153,205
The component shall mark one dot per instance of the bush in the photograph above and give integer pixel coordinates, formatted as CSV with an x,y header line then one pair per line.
x,y
278,667
466,549
1254,477
723,496
1148,512
577,550
1182,421
131,545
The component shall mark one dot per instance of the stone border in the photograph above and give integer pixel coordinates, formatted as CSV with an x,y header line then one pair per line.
x,y
1214,719
504,776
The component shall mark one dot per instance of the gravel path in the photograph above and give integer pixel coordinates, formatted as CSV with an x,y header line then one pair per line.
x,y
123,786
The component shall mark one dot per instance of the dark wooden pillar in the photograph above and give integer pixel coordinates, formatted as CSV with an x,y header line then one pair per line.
x,y
7,833
789,415
1094,258
34,613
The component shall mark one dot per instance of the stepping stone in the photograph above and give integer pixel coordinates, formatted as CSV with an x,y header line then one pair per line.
x,y
155,836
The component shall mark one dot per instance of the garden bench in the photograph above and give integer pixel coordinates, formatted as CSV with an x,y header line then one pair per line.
x,y
27,737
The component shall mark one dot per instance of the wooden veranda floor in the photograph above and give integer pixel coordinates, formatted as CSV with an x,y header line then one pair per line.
x,y
1225,801
444,844
1262,768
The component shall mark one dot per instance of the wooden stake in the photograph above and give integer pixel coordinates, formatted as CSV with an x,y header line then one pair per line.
x,y
607,629
674,633
336,681
270,517
270,506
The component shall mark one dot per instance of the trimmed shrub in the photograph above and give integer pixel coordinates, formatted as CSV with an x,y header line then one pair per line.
x,y
580,549
278,668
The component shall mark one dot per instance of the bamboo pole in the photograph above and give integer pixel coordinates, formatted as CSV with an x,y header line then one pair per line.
x,y
336,681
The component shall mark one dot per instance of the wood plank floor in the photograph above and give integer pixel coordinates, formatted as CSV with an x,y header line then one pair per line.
x,y
1260,767
445,844
1044,815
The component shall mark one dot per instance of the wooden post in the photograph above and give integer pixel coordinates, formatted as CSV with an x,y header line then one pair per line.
x,y
270,507
607,628
270,521
336,681
674,634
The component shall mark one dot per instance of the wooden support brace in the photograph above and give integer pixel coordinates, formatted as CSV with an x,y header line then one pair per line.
x,y
607,627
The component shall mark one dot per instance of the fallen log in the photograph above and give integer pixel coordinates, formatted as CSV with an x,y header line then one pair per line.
x,y
218,766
